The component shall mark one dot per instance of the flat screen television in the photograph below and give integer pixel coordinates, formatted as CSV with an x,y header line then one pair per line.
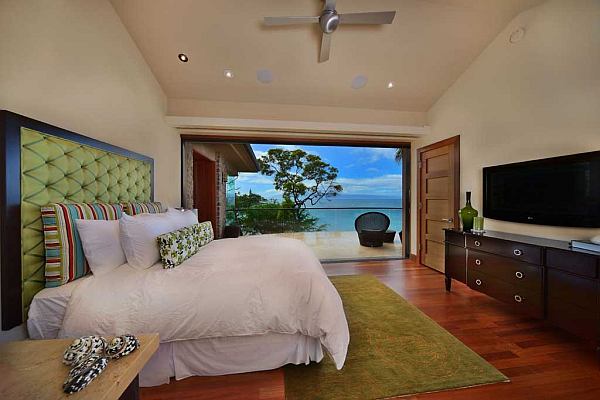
x,y
559,191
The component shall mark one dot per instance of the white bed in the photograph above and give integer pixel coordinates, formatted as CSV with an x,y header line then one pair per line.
x,y
276,306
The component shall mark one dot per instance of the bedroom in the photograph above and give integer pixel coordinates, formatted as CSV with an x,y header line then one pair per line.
x,y
109,71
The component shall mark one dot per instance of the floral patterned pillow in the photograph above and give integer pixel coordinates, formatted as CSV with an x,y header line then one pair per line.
x,y
178,246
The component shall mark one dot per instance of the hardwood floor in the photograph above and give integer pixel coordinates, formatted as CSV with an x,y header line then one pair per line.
x,y
541,362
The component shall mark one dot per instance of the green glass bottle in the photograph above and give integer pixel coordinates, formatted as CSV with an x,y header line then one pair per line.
x,y
467,213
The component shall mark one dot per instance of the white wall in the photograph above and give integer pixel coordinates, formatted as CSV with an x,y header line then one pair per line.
x,y
537,98
73,64
287,112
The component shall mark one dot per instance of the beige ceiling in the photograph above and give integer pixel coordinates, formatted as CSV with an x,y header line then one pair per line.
x,y
430,43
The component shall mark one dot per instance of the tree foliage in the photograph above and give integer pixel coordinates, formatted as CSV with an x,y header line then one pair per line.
x,y
398,156
255,214
301,177
248,200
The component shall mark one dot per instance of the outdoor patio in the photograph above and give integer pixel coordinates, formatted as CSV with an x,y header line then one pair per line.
x,y
335,246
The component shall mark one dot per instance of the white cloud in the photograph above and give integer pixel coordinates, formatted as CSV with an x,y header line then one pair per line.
x,y
259,153
374,154
389,184
373,181
254,178
289,147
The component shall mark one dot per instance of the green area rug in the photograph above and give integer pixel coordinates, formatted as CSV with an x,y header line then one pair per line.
x,y
394,350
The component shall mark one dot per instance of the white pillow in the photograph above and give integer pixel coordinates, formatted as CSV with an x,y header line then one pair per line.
x,y
138,237
101,244
182,219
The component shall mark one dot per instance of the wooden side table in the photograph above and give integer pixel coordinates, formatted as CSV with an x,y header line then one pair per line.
x,y
33,369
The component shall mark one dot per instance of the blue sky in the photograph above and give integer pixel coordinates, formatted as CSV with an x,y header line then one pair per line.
x,y
363,171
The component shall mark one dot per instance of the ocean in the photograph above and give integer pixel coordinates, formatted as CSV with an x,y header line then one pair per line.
x,y
343,220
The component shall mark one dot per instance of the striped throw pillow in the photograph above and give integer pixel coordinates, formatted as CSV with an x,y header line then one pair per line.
x,y
65,260
132,208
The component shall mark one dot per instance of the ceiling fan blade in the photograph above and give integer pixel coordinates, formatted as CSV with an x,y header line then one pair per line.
x,y
368,18
274,21
329,5
325,47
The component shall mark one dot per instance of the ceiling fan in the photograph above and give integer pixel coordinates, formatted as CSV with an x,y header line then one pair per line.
x,y
329,21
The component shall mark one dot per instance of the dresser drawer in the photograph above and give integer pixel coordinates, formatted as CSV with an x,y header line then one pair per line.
x,y
516,273
572,289
456,257
571,261
455,238
528,302
579,321
519,251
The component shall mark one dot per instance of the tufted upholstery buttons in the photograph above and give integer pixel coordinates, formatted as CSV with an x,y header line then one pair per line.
x,y
56,170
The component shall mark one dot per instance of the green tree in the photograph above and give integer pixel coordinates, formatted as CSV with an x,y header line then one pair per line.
x,y
275,217
398,156
301,177
243,202
248,200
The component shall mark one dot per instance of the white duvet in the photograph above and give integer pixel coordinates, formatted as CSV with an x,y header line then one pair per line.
x,y
232,287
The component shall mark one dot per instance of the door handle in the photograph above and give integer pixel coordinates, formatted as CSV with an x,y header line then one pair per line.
x,y
448,220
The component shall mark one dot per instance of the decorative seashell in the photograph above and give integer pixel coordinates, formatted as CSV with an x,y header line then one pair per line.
x,y
83,348
121,346
84,372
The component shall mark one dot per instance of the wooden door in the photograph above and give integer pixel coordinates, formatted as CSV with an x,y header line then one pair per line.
x,y
438,198
205,189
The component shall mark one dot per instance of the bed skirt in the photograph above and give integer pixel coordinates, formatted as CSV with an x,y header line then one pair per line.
x,y
228,355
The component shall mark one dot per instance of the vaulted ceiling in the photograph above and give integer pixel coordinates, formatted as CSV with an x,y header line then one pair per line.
x,y
429,45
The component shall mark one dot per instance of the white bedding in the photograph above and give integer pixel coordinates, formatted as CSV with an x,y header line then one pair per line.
x,y
181,359
48,309
231,288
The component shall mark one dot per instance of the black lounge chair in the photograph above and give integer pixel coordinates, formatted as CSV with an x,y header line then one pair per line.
x,y
371,228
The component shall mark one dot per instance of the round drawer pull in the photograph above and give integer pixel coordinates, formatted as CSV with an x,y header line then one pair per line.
x,y
477,243
519,274
478,282
517,252
518,298
477,261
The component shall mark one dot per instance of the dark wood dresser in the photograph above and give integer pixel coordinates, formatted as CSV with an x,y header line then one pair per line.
x,y
543,278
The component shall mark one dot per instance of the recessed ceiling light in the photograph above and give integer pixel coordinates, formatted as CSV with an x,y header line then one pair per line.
x,y
228,73
183,58
359,82
264,76
390,85
517,35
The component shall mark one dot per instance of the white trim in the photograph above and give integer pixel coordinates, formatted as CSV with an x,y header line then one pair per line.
x,y
293,126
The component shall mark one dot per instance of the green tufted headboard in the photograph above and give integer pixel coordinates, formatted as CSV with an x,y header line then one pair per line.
x,y
44,164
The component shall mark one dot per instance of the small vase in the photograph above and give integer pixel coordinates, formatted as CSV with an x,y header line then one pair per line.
x,y
467,213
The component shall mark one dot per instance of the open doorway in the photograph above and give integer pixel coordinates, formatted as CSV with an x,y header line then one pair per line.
x,y
315,193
